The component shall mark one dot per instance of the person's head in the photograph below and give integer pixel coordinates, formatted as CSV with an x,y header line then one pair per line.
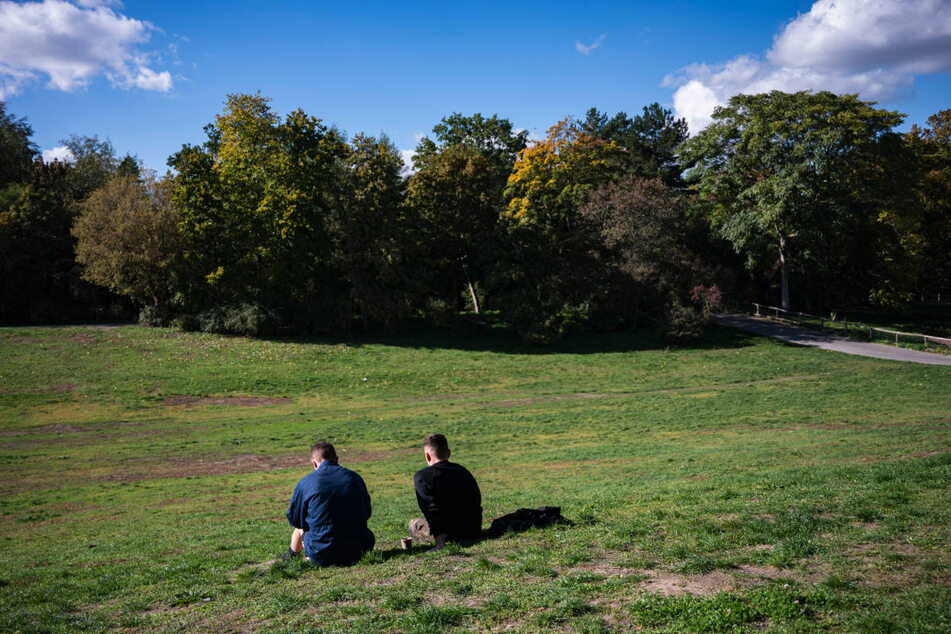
x,y
323,451
435,448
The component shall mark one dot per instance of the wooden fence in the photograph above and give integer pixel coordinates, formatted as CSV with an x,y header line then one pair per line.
x,y
827,324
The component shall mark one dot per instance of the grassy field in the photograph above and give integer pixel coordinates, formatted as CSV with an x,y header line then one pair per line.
x,y
737,484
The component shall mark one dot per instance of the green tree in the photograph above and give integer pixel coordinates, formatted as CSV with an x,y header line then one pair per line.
x,y
127,238
257,202
373,248
39,279
792,173
494,137
649,140
17,149
94,161
455,198
926,226
129,167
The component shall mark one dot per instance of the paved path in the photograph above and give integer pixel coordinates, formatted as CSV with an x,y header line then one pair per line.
x,y
815,339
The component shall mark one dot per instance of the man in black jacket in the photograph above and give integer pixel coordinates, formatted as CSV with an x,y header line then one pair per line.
x,y
448,496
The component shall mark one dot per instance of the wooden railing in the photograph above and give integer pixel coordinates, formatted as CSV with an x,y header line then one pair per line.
x,y
823,323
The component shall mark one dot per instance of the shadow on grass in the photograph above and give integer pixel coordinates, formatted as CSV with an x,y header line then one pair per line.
x,y
499,339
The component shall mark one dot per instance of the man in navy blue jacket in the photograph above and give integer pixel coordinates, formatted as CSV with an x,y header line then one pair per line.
x,y
329,512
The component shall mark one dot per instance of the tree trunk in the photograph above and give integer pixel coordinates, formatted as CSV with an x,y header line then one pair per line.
x,y
475,299
784,271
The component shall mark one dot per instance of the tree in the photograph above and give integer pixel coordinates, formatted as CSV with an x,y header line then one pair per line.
x,y
926,225
493,137
94,161
127,238
649,140
372,246
456,197
647,267
545,267
792,171
17,149
551,177
39,279
129,167
257,202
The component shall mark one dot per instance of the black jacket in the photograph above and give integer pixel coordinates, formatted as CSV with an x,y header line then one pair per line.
x,y
450,499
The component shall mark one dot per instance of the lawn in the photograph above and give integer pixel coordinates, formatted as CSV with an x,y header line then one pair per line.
x,y
735,484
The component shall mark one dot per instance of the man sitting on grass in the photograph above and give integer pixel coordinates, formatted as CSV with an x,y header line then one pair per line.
x,y
329,512
448,496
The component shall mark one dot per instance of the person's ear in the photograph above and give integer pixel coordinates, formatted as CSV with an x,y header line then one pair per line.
x,y
314,462
426,453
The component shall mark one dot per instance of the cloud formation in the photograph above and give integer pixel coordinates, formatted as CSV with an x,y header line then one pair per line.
x,y
586,50
69,44
62,154
870,47
408,163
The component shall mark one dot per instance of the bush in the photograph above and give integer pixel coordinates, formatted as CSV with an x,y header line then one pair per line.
x,y
545,331
155,315
249,320
679,323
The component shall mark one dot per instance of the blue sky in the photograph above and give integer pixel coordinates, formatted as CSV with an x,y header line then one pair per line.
x,y
149,75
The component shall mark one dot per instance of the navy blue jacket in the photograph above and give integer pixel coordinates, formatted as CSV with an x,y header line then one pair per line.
x,y
331,505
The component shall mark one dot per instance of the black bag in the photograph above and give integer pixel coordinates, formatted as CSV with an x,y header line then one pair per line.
x,y
524,519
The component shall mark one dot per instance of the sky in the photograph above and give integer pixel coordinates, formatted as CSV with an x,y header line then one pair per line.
x,y
149,76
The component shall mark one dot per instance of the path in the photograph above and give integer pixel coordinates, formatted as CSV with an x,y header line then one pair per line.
x,y
815,339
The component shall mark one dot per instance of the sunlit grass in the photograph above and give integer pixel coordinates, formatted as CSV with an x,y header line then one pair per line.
x,y
735,484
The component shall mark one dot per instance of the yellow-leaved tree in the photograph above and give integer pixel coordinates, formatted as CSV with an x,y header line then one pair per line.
x,y
542,278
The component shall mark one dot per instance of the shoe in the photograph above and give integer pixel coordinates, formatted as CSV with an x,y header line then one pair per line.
x,y
290,554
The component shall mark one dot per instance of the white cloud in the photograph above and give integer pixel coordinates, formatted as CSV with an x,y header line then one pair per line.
x,y
407,156
61,154
870,47
69,44
586,50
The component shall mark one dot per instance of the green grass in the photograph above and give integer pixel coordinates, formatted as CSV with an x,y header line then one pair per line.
x,y
737,484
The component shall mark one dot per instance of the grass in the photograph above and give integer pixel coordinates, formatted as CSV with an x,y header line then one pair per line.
x,y
737,484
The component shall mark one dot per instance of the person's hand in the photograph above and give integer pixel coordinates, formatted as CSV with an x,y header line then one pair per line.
x,y
440,541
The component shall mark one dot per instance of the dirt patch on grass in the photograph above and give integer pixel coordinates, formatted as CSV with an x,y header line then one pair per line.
x,y
56,388
670,584
190,400
21,339
924,454
223,464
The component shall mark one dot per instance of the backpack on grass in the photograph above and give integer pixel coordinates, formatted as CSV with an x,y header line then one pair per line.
x,y
524,519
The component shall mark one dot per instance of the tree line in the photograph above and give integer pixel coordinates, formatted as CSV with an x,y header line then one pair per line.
x,y
284,225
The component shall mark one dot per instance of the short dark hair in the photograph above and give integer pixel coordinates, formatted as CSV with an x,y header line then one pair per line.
x,y
438,444
323,451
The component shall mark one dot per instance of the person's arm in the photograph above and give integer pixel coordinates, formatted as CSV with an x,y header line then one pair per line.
x,y
297,511
428,505
367,506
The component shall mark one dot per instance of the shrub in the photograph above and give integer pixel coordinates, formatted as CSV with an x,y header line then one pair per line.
x,y
249,320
